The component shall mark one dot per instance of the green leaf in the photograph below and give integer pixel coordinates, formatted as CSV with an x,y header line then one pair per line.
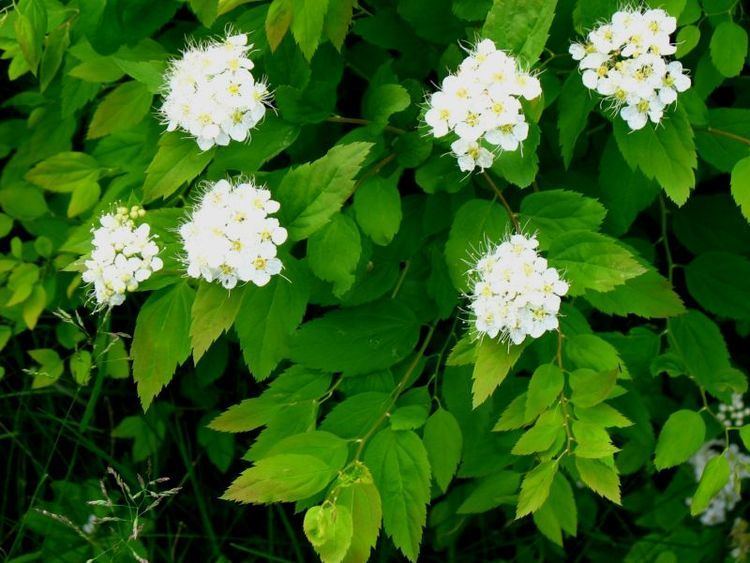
x,y
649,295
354,416
477,222
740,183
212,314
700,345
65,171
718,143
56,44
337,21
83,198
219,447
80,366
30,26
520,26
745,435
443,442
146,430
514,415
600,477
377,207
544,387
682,435
295,386
361,497
268,317
177,161
592,440
714,478
281,478
491,491
687,39
555,212
729,48
278,20
401,471
558,512
330,529
575,104
307,25
521,166
591,387
357,340
590,260
312,193
333,252
493,363
161,340
205,10
593,352
382,101
720,282
535,488
666,153
603,415
542,435
122,108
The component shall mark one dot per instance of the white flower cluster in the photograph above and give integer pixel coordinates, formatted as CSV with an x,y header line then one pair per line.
x,y
123,255
739,468
211,93
735,413
230,236
516,294
480,104
625,60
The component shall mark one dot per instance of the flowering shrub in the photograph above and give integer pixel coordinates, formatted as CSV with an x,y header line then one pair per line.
x,y
423,279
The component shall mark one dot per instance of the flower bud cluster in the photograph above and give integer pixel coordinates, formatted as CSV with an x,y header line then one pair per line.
x,y
735,413
625,60
481,105
211,93
516,294
230,237
123,256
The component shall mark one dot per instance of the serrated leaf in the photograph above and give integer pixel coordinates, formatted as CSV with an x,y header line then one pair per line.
x,y
698,341
666,153
575,104
268,317
649,295
544,387
591,387
161,341
600,478
357,340
307,25
740,183
590,260
477,222
714,478
443,442
542,435
177,161
65,171
728,48
212,314
278,19
333,252
329,528
681,436
384,100
493,363
311,193
535,488
553,212
520,26
401,471
122,108
362,499
377,207
592,440
281,478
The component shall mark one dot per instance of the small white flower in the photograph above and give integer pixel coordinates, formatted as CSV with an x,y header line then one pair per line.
x,y
515,293
212,94
625,61
480,106
230,237
122,256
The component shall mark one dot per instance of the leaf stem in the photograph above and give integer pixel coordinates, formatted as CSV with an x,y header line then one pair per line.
x,y
501,197
395,394
665,239
360,121
728,134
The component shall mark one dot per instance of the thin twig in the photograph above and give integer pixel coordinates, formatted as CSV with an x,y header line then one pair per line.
x,y
501,197
360,121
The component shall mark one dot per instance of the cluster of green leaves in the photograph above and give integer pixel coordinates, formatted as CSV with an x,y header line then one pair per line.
x,y
377,407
